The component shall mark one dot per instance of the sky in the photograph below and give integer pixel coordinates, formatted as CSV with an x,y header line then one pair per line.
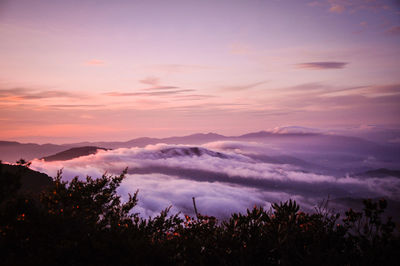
x,y
115,70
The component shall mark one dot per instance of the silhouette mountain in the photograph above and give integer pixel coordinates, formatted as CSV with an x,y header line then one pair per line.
x,y
72,153
31,181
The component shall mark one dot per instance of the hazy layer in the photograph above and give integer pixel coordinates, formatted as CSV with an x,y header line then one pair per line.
x,y
223,176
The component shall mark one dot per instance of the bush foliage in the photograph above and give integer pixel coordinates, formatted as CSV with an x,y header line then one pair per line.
x,y
85,223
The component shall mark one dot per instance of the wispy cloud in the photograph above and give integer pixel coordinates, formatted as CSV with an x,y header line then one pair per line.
x,y
75,105
382,90
154,81
30,94
156,84
163,88
156,89
322,65
243,87
336,8
307,87
153,93
371,91
318,89
193,97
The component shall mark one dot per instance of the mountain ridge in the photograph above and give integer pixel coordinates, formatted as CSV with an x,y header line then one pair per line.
x,y
11,150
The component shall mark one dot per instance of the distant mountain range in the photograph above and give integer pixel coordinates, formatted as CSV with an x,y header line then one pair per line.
x,y
297,143
142,142
11,151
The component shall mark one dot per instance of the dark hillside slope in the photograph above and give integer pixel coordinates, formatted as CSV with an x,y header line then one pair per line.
x,y
31,181
72,153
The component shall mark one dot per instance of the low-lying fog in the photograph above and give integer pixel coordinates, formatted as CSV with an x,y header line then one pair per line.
x,y
230,176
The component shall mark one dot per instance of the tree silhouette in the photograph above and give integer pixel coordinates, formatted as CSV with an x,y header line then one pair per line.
x,y
84,222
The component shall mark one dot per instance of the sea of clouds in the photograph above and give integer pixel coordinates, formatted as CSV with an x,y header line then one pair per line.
x,y
224,177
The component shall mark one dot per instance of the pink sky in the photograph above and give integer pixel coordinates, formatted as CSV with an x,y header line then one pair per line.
x,y
115,70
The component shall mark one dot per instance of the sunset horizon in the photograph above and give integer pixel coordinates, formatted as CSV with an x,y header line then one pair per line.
x,y
95,70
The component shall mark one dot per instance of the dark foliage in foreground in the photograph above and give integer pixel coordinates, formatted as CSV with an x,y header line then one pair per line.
x,y
85,223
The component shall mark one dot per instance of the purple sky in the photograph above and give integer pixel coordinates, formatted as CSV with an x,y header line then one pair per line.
x,y
108,70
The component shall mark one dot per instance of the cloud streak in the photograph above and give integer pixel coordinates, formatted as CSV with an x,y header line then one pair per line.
x,y
150,81
76,105
322,65
32,94
335,8
243,87
152,93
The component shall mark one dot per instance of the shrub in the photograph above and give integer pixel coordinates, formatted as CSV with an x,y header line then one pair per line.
x,y
85,223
